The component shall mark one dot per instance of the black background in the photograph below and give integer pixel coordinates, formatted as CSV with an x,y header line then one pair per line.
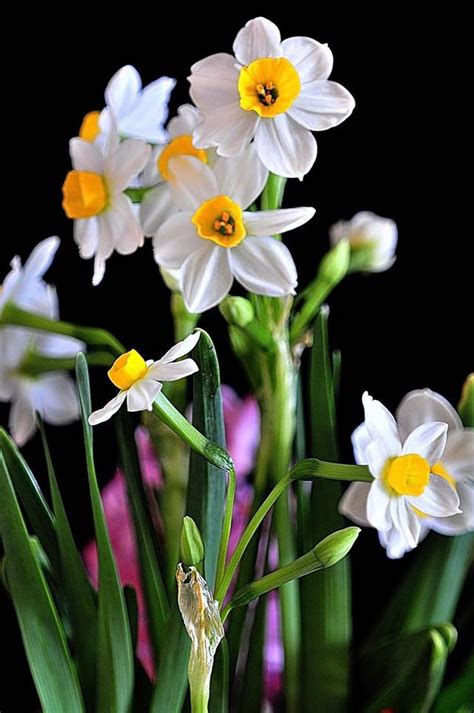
x,y
400,155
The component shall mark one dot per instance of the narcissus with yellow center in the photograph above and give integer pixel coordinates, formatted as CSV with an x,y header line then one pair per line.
x,y
84,194
268,86
179,146
220,219
140,381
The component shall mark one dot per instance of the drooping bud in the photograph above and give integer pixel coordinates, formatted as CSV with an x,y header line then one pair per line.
x,y
237,310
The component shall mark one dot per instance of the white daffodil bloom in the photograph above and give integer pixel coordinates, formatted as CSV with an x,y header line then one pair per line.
x,y
214,239
140,381
140,112
273,92
373,241
408,458
93,195
51,394
157,204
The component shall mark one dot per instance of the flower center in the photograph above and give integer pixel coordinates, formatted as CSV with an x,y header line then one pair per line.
x,y
268,86
179,146
220,220
90,128
408,475
84,194
127,370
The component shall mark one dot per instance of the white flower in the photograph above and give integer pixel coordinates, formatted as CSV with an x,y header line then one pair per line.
x,y
273,92
139,112
105,219
373,241
214,238
139,381
51,394
413,485
157,204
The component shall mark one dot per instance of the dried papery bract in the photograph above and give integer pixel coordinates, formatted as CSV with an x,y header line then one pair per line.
x,y
200,612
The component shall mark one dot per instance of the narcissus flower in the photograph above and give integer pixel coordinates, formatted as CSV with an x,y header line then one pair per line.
x,y
51,394
273,92
157,204
413,484
214,239
373,241
140,381
140,112
93,195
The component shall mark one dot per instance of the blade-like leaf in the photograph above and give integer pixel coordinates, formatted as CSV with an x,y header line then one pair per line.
x,y
78,592
45,644
172,675
115,653
458,696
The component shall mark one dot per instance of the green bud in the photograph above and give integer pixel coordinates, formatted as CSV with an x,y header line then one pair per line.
x,y
335,263
335,546
237,310
466,403
191,546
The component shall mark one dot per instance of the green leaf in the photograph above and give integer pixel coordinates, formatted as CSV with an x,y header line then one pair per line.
x,y
147,544
458,696
114,651
326,596
207,484
172,675
49,658
219,698
78,593
405,674
34,504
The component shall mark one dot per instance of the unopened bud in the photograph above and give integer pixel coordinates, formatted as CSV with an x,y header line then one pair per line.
x,y
237,310
335,263
335,547
373,241
466,403
191,546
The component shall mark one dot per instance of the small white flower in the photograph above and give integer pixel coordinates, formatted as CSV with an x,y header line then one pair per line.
x,y
214,239
105,219
139,381
140,113
413,485
373,241
51,394
157,204
273,92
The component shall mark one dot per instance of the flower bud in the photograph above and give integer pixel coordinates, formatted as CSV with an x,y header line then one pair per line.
x,y
466,403
335,263
237,310
373,241
335,546
191,546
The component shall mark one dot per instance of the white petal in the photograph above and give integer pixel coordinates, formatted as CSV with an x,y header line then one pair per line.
x,y
122,90
126,163
377,453
175,240
285,147
243,178
463,521
353,504
312,60
85,156
394,542
228,127
259,38
57,345
405,521
109,409
155,208
425,406
428,441
264,266
191,182
141,395
41,258
439,498
214,82
145,119
205,278
381,424
186,121
105,247
172,372
378,506
180,349
55,398
86,235
22,420
322,105
360,440
124,225
458,456
272,222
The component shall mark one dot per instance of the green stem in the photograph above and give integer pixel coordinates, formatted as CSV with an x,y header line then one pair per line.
x,y
272,196
226,526
13,315
35,364
320,290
